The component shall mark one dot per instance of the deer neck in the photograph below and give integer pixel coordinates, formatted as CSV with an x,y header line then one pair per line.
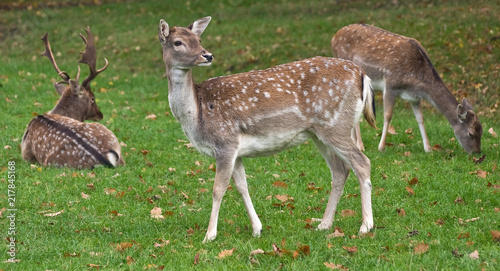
x,y
442,99
181,96
62,110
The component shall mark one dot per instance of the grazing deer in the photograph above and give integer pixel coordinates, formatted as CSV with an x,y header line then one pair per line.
x,y
60,137
401,67
261,113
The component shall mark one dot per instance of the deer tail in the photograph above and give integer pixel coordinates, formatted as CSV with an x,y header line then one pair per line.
x,y
368,101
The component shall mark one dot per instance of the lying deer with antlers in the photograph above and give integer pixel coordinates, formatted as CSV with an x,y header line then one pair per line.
x,y
261,113
60,137
401,67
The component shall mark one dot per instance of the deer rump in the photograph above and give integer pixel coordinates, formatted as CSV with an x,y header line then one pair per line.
x,y
54,140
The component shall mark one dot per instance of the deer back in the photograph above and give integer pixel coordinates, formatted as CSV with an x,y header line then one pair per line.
x,y
55,140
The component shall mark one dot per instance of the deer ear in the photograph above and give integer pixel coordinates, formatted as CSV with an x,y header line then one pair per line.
x,y
199,25
163,31
461,113
75,87
60,87
467,104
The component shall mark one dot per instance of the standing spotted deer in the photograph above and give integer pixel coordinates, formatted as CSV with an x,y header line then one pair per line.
x,y
261,113
60,137
401,67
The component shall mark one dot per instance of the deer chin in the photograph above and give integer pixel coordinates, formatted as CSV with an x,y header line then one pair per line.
x,y
205,63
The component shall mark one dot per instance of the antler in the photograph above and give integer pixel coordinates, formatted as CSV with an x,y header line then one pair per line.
x,y
89,57
48,53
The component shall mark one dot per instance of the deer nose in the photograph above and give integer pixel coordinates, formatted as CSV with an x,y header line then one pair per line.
x,y
208,57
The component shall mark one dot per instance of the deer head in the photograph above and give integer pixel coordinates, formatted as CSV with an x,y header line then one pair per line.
x,y
77,100
181,49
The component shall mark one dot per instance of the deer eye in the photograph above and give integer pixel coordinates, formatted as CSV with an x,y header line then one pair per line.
x,y
471,135
178,43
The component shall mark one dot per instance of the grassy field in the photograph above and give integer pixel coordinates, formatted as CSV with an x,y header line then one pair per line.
x,y
433,211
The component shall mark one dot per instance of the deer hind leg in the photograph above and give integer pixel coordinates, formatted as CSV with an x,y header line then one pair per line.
x,y
389,98
356,137
419,116
340,172
347,151
223,173
240,181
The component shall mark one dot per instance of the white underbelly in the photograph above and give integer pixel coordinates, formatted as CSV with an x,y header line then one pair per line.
x,y
252,146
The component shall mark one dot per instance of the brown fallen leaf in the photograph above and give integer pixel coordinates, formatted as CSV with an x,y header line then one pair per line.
x,y
115,213
257,251
225,253
480,173
156,213
276,250
437,147
410,190
492,132
409,131
196,259
283,198
151,117
54,214
392,130
280,184
305,249
123,246
478,160
85,196
421,248
413,181
331,265
495,235
130,260
401,212
351,250
474,255
337,233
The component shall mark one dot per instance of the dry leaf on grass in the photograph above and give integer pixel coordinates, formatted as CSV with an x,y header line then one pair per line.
x,y
283,198
85,196
392,130
257,251
130,260
421,248
480,173
337,233
196,258
474,255
331,265
492,133
351,250
226,253
280,184
122,246
151,117
410,190
495,235
53,214
157,213
401,212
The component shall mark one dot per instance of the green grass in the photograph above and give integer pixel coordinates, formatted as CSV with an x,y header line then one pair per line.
x,y
162,172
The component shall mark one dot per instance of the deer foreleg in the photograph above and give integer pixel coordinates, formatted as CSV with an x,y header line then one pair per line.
x,y
223,172
240,181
